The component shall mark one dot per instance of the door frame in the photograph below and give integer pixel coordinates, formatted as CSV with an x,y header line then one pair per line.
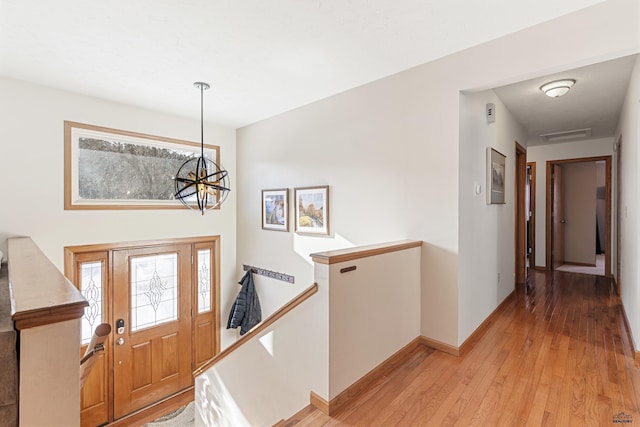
x,y
556,242
521,219
531,238
618,150
549,195
73,255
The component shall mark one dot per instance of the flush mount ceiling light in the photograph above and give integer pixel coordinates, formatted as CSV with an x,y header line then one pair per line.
x,y
200,183
557,88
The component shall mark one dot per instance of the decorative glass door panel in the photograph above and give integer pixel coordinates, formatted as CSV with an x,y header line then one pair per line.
x,y
204,280
154,290
91,272
205,338
152,314
91,288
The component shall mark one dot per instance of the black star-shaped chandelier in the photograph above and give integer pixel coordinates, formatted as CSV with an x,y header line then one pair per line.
x,y
200,182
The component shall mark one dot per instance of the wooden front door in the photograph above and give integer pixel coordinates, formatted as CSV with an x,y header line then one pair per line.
x,y
162,302
152,320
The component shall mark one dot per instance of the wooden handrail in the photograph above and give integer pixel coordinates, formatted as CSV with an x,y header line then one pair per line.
x,y
258,328
40,294
350,254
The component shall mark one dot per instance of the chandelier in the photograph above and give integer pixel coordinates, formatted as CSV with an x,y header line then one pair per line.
x,y
201,183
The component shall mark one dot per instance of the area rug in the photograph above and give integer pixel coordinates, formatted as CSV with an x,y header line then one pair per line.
x,y
181,417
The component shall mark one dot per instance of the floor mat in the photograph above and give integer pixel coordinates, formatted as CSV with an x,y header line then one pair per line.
x,y
181,417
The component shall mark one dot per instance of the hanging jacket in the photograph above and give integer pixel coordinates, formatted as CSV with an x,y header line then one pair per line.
x,y
245,311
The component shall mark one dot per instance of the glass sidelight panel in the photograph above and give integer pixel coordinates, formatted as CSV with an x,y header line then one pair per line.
x,y
204,280
91,288
154,290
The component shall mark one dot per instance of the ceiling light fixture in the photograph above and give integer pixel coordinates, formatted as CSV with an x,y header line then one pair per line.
x,y
200,183
557,88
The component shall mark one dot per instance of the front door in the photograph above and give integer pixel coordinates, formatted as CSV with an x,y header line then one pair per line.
x,y
162,302
152,315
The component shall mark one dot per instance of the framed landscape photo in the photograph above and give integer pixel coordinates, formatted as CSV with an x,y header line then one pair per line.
x,y
312,210
275,209
495,176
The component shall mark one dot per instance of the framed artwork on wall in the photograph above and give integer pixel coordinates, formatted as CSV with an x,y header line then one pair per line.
x,y
275,209
496,176
312,210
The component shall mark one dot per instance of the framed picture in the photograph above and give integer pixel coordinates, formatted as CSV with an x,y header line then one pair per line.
x,y
312,210
275,209
496,176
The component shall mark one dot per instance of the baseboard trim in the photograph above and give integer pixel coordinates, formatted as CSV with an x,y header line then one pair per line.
x,y
319,403
364,383
473,339
440,346
636,353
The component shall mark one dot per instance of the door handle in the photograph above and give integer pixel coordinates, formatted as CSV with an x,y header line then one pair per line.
x,y
120,341
564,221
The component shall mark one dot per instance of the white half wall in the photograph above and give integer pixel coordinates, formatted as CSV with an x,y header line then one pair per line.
x,y
32,173
49,392
374,311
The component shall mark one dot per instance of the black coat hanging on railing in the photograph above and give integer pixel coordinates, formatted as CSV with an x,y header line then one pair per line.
x,y
245,311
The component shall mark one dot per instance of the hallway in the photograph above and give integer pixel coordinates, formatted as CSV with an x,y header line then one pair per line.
x,y
558,355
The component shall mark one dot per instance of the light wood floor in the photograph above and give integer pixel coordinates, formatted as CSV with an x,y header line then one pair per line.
x,y
558,355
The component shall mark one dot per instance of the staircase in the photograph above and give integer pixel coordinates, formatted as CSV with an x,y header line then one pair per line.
x,y
8,357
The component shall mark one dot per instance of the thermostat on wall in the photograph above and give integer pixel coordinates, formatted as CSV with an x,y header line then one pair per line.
x,y
491,112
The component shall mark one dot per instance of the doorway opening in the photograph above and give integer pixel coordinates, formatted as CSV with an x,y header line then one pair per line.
x,y
578,215
162,300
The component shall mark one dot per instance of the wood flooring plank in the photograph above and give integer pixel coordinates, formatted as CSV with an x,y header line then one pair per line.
x,y
559,354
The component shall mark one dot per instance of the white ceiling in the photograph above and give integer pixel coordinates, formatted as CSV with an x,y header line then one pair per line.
x,y
594,102
260,57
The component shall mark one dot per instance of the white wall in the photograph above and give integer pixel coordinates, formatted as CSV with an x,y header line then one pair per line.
x,y
580,213
487,232
374,311
390,152
32,173
269,377
540,154
629,130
